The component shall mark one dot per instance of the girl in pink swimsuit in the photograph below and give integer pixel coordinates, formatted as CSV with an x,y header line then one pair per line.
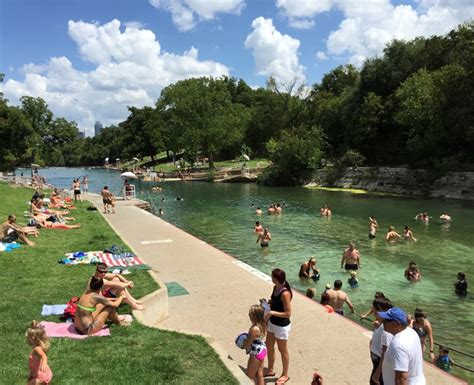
x,y
255,345
40,373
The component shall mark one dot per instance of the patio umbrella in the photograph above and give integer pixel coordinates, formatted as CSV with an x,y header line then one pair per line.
x,y
128,174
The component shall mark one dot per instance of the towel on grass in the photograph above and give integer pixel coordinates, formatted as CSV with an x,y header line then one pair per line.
x,y
67,330
9,246
126,260
53,309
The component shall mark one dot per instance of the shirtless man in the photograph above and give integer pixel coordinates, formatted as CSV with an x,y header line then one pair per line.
x,y
278,209
351,258
271,209
373,225
116,285
424,217
10,231
392,235
337,298
258,211
107,199
445,218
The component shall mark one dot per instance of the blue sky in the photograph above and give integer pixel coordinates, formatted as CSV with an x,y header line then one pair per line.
x,y
89,59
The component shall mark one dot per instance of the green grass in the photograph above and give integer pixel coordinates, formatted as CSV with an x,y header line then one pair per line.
x,y
137,354
261,163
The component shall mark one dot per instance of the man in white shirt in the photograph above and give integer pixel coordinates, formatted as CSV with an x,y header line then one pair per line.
x,y
403,361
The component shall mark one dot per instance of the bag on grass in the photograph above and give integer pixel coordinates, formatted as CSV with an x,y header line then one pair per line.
x,y
70,311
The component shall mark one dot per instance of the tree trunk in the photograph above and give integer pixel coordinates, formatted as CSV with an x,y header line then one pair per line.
x,y
211,162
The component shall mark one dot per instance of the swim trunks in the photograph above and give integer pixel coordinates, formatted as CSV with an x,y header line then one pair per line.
x,y
371,236
351,266
264,244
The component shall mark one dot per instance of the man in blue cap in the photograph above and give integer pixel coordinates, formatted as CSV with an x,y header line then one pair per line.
x,y
403,361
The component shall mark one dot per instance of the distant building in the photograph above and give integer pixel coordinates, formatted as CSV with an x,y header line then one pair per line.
x,y
81,134
98,128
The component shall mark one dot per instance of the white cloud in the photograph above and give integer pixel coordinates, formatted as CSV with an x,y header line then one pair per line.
x,y
184,12
130,70
321,56
369,25
275,54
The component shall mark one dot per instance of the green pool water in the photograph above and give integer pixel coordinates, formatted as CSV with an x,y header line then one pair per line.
x,y
223,215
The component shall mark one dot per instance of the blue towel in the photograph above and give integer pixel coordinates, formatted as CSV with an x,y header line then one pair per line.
x,y
53,309
11,246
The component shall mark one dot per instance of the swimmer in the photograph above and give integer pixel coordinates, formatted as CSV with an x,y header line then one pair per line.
x,y
328,212
278,209
353,281
258,211
264,238
408,234
351,258
445,218
412,273
373,225
424,217
392,235
323,211
258,227
271,209
311,292
308,269
460,286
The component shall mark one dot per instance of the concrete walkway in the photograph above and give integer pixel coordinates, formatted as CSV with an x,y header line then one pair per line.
x,y
221,290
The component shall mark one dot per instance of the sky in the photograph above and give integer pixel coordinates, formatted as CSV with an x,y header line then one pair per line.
x,y
90,59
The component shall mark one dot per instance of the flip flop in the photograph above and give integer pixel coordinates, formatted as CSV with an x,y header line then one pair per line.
x,y
270,374
281,382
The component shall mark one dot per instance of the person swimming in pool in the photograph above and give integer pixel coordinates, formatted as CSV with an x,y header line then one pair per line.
x,y
264,238
308,269
408,234
445,218
392,235
258,227
424,217
373,225
258,211
412,273
351,258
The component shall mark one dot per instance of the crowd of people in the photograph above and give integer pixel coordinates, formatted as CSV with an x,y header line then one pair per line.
x,y
399,339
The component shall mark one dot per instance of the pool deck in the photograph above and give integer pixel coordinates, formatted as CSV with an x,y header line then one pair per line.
x,y
221,290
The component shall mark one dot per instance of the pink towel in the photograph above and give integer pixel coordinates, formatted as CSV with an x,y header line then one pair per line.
x,y
67,330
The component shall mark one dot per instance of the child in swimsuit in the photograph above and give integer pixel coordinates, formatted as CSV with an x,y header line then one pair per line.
x,y
255,345
353,281
40,373
443,361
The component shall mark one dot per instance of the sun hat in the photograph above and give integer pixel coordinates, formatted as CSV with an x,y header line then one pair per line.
x,y
394,314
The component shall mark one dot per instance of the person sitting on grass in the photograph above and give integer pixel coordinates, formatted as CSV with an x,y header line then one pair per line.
x,y
57,202
94,310
10,231
56,225
37,207
115,285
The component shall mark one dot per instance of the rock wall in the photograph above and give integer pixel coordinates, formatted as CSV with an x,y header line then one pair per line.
x,y
399,180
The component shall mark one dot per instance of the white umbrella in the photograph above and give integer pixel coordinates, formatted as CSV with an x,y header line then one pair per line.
x,y
246,157
128,174
35,165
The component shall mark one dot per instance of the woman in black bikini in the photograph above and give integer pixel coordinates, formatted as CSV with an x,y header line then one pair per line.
x,y
264,238
423,328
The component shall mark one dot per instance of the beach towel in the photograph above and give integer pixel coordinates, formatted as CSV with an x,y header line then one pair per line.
x,y
67,330
9,246
53,309
123,260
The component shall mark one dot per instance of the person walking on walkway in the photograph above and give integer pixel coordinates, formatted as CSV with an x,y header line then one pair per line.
x,y
279,325
403,360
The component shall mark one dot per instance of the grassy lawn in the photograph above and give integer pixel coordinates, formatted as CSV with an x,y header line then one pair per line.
x,y
137,354
261,163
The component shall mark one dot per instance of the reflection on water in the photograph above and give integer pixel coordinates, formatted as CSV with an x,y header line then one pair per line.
x,y
224,215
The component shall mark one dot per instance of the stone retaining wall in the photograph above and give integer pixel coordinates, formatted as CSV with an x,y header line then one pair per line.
x,y
399,180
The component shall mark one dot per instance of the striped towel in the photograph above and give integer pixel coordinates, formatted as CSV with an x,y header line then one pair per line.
x,y
113,260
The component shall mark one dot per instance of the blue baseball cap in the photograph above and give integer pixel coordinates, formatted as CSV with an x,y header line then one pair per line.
x,y
394,314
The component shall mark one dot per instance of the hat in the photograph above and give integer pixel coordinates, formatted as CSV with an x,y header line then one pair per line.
x,y
394,314
328,286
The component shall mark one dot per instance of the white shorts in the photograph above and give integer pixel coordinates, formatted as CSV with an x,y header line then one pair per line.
x,y
281,332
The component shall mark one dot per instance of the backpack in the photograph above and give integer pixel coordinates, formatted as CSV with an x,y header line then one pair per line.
x,y
70,311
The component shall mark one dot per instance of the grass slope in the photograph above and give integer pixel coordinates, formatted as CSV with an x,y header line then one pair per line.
x,y
32,277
